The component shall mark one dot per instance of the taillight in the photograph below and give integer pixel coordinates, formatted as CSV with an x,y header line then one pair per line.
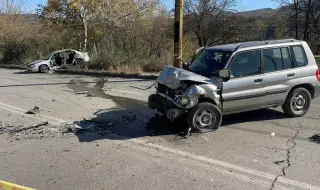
x,y
318,75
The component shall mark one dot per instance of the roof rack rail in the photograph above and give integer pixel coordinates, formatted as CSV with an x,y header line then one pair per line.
x,y
257,43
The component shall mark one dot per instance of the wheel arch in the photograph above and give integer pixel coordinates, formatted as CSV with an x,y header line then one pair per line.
x,y
206,99
39,67
307,86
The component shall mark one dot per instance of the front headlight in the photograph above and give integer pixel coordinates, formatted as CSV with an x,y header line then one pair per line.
x,y
31,65
184,100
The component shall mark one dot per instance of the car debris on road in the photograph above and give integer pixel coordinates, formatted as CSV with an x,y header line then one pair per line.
x,y
30,127
34,110
315,138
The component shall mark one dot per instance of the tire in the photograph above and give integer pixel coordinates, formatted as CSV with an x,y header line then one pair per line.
x,y
78,62
44,69
297,103
201,112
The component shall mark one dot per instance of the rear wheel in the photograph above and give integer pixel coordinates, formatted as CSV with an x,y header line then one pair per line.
x,y
78,62
44,68
204,117
297,103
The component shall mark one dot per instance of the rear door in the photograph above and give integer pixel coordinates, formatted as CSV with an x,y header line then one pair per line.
x,y
245,89
278,74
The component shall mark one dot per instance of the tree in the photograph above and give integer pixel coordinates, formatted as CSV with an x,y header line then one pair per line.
x,y
208,20
302,17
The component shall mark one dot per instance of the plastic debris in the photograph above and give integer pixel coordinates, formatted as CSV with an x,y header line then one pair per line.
x,y
272,134
83,92
315,138
30,127
279,162
34,110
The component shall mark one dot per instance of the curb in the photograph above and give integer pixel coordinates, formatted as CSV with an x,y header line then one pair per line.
x,y
90,73
19,67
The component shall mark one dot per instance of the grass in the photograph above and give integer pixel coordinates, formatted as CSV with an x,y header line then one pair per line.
x,y
128,69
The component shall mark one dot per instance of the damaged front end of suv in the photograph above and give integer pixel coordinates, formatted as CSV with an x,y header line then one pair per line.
x,y
179,92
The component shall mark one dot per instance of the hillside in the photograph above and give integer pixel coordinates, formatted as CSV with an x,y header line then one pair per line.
x,y
268,12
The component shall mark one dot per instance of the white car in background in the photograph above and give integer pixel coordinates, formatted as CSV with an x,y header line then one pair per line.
x,y
58,59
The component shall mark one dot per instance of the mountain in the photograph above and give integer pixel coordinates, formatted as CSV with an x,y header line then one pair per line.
x,y
267,12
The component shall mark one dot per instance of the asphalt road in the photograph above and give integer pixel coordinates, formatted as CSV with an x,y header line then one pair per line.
x,y
126,149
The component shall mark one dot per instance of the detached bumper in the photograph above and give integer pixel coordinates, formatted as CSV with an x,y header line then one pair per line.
x,y
165,106
160,103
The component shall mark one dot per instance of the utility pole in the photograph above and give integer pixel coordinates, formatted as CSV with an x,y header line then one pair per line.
x,y
178,30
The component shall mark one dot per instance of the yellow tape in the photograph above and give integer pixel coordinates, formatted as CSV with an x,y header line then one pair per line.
x,y
10,186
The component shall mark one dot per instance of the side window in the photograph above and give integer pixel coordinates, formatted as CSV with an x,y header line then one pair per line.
x,y
287,64
299,56
272,60
246,64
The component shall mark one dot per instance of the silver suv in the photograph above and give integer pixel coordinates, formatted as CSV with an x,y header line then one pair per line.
x,y
237,78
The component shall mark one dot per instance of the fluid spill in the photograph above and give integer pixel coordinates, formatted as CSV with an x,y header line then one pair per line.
x,y
97,91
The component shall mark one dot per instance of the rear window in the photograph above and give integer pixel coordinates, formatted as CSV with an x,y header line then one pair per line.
x,y
299,56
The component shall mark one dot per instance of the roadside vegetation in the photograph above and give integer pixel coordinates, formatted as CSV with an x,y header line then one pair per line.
x,y
137,36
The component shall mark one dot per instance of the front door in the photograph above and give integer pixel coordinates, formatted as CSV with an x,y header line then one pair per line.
x,y
245,89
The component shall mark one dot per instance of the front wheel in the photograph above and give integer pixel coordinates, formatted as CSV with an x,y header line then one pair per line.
x,y
44,68
297,103
204,117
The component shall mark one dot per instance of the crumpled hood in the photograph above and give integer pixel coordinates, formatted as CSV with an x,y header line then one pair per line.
x,y
171,77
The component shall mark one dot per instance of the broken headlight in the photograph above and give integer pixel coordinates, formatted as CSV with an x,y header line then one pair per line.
x,y
184,100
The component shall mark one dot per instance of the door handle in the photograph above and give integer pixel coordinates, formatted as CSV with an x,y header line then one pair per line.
x,y
291,74
258,80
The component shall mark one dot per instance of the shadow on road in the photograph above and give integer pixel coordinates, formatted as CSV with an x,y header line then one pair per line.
x,y
26,73
133,119
259,115
129,123
122,123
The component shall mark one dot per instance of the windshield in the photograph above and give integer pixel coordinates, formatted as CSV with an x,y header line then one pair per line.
x,y
209,62
48,56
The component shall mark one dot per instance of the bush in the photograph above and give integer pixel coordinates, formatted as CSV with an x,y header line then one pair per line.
x,y
123,62
15,53
318,59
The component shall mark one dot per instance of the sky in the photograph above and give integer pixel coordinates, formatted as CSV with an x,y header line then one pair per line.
x,y
244,5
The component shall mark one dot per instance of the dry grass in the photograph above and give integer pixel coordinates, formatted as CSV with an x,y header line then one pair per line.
x,y
128,69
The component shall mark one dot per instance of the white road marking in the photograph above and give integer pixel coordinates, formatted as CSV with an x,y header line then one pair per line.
x,y
40,117
220,166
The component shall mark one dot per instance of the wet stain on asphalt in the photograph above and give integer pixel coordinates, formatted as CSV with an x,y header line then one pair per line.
x,y
97,91
131,118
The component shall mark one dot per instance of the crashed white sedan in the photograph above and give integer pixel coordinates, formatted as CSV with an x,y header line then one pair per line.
x,y
58,59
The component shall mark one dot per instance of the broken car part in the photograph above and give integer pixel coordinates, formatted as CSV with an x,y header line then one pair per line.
x,y
34,110
30,127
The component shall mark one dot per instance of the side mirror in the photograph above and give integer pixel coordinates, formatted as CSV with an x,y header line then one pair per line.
x,y
225,74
